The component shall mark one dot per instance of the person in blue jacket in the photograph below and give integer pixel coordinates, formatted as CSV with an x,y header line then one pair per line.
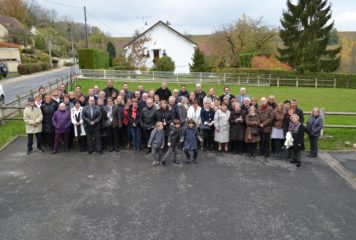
x,y
190,139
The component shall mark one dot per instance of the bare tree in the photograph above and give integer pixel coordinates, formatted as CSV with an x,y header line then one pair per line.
x,y
138,50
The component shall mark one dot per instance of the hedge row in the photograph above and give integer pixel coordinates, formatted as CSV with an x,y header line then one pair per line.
x,y
32,68
93,59
343,80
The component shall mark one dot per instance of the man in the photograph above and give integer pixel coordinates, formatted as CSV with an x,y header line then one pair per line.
x,y
62,90
199,94
242,96
140,89
175,93
92,117
120,103
266,115
90,94
96,90
137,95
148,120
174,107
183,93
32,117
211,96
110,89
142,102
128,94
226,94
163,92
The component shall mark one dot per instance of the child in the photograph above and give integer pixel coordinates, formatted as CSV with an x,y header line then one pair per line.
x,y
156,143
191,138
297,131
173,140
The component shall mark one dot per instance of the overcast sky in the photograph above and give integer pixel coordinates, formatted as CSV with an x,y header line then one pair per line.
x,y
121,17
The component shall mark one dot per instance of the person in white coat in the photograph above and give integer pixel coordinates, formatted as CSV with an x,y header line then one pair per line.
x,y
194,113
222,127
78,124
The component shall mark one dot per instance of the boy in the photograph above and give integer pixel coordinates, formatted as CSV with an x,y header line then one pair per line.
x,y
156,143
173,140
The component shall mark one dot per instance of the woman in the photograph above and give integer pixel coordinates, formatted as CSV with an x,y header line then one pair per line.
x,y
48,109
78,125
252,136
254,102
296,130
38,101
183,110
216,104
314,126
277,135
222,127
237,128
82,101
72,98
164,115
207,125
192,98
134,115
194,113
61,122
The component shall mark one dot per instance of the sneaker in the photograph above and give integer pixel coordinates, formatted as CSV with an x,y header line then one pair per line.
x,y
40,150
154,162
176,162
195,161
54,152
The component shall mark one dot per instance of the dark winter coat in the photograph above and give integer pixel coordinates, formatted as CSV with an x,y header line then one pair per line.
x,y
298,137
315,125
199,96
207,116
47,112
164,116
97,115
134,120
163,94
108,91
173,136
190,138
148,117
237,129
266,118
61,121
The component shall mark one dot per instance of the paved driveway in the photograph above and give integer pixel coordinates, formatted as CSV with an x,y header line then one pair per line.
x,y
122,196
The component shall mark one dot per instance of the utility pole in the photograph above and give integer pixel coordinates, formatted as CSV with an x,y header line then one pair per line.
x,y
86,27
71,38
50,52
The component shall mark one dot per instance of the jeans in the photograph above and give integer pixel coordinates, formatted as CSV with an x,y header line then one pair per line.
x,y
30,141
187,154
136,136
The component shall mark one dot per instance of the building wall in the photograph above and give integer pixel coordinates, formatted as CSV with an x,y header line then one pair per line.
x,y
178,48
12,57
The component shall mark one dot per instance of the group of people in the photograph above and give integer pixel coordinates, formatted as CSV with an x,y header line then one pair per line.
x,y
159,120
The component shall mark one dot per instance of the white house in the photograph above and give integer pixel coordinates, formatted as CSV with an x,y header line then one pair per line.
x,y
164,40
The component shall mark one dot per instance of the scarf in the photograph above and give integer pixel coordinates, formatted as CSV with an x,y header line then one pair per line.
x,y
264,107
293,127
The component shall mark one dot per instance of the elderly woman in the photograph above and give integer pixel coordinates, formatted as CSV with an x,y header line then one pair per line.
x,y
78,123
296,130
314,126
62,123
32,117
48,109
237,128
183,110
252,136
222,127
216,104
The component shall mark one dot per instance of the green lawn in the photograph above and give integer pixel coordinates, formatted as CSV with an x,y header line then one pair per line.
x,y
333,100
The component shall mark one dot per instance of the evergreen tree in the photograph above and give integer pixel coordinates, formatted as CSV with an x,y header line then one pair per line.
x,y
112,52
165,64
305,33
199,63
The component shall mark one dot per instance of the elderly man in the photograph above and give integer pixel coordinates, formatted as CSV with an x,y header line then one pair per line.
x,y
163,92
61,121
266,116
32,116
243,94
173,107
226,94
211,96
148,120
199,94
142,102
92,117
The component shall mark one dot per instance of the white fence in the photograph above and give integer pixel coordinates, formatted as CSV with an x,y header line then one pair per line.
x,y
204,77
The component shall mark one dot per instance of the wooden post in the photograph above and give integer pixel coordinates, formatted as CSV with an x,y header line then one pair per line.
x,y
322,114
296,82
201,77
2,113
30,92
224,77
316,82
248,79
49,87
258,80
335,83
277,81
153,76
57,82
18,98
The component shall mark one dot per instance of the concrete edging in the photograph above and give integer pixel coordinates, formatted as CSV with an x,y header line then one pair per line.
x,y
339,168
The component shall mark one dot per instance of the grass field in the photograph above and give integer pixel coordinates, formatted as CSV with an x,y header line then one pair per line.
x,y
333,100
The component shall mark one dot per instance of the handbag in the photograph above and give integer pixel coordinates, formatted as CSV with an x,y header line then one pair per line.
x,y
255,132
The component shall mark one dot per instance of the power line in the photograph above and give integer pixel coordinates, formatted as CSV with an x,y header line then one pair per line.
x,y
62,4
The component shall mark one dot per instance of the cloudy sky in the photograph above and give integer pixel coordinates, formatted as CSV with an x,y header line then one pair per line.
x,y
121,17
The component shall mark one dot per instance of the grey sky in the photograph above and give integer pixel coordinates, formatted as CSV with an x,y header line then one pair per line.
x,y
122,17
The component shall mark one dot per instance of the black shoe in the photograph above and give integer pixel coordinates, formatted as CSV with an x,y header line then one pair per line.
x,y
187,161
29,152
205,149
311,156
294,161
266,155
162,163
54,152
195,161
176,162
90,152
299,164
111,150
100,152
40,150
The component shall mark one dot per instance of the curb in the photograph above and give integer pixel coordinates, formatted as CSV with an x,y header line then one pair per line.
x,y
339,168
9,142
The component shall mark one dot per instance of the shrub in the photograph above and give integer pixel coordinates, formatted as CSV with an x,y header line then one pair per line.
x,y
93,59
28,50
68,64
263,62
32,67
165,64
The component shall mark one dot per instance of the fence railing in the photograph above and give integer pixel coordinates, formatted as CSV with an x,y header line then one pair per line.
x,y
204,77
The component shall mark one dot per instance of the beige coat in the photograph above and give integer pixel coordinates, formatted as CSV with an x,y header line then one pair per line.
x,y
221,122
33,119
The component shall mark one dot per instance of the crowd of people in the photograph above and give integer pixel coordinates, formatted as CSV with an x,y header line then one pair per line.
x,y
164,121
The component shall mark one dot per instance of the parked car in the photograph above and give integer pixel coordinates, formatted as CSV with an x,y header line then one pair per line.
x,y
4,70
2,94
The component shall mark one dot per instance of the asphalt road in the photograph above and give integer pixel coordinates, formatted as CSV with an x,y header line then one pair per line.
x,y
22,84
122,196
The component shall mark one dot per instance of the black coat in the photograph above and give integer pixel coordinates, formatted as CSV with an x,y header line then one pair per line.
x,y
148,117
97,115
237,129
135,120
163,94
47,112
174,135
165,116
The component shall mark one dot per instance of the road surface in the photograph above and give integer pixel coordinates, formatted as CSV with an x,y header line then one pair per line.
x,y
22,84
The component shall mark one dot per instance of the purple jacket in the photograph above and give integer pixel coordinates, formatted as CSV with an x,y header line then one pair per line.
x,y
61,121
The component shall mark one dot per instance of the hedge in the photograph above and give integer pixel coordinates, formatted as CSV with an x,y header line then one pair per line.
x,y
343,80
32,68
93,59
